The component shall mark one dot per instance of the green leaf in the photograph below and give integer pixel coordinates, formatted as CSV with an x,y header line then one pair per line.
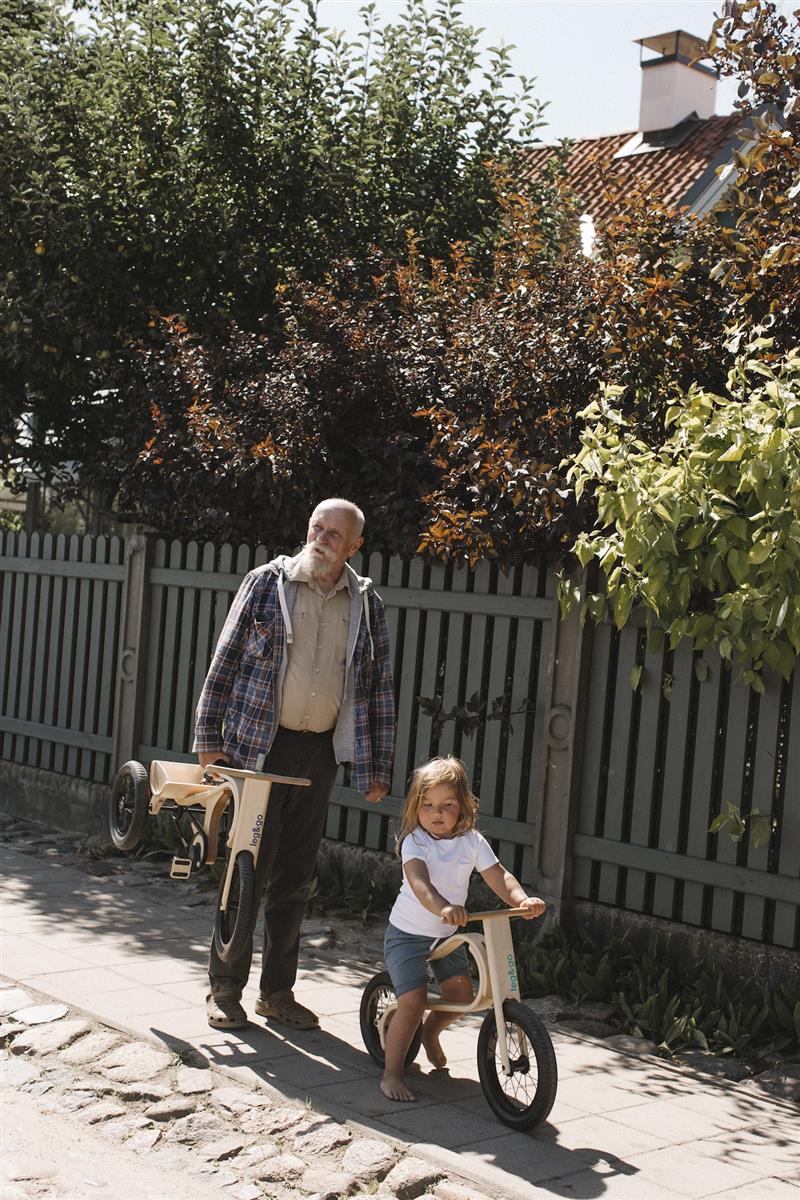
x,y
761,830
701,669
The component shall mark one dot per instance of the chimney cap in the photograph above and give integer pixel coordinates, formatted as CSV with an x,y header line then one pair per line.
x,y
675,44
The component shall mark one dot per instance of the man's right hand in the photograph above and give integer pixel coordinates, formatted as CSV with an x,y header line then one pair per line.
x,y
205,757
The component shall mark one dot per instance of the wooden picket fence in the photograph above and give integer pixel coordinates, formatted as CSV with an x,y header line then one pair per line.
x,y
589,789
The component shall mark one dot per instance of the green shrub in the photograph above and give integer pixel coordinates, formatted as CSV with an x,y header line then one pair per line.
x,y
354,881
705,1011
703,531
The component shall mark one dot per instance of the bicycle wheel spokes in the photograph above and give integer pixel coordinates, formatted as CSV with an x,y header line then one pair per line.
x,y
520,1085
524,1097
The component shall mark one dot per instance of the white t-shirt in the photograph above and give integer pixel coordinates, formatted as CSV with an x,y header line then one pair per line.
x,y
450,862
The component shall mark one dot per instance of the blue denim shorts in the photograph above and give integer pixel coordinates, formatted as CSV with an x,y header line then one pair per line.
x,y
406,953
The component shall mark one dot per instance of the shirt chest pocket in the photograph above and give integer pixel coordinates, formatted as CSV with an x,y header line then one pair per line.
x,y
259,642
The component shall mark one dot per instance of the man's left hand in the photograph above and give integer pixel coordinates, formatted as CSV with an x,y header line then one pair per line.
x,y
376,793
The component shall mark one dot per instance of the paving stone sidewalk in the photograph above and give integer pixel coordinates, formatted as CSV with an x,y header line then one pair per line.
x,y
248,1142
103,1020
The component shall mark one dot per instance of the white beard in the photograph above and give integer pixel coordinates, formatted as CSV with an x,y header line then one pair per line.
x,y
314,559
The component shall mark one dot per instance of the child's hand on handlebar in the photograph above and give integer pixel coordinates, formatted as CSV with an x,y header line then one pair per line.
x,y
454,914
534,907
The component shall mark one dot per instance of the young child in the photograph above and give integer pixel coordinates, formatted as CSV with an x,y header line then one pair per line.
x,y
439,847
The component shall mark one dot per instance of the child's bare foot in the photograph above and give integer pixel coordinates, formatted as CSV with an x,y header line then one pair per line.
x,y
394,1088
435,1054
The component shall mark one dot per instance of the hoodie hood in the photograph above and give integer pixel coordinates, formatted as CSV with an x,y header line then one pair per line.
x,y
358,586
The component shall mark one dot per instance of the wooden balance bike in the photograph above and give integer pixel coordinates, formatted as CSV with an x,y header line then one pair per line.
x,y
200,802
516,1060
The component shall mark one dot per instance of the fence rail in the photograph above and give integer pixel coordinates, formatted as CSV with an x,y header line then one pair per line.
x,y
589,788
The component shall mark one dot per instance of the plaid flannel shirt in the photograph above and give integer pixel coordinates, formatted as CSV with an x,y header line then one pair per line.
x,y
239,705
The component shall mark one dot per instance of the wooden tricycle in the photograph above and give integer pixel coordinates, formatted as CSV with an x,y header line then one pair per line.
x,y
516,1061
200,801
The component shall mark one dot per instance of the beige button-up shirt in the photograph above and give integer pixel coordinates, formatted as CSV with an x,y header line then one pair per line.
x,y
315,671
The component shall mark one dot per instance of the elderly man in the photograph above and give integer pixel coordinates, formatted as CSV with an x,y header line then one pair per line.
x,y
300,682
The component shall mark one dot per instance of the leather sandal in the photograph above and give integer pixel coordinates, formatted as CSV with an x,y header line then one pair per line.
x,y
283,1007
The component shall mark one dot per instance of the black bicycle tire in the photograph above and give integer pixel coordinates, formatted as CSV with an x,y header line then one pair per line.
x,y
230,943
382,982
130,784
511,1112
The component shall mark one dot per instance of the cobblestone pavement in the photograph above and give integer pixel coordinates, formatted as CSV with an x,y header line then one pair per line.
x,y
190,1131
111,1074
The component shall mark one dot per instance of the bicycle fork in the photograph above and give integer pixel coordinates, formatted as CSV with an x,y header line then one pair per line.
x,y
504,979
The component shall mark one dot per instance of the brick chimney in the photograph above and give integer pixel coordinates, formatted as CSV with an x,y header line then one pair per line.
x,y
674,84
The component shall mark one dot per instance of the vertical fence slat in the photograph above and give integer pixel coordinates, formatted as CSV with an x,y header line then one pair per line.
x,y
591,800
672,790
453,693
646,762
185,656
786,926
92,653
407,709
67,547
430,684
534,730
169,634
706,748
469,748
55,676
525,678
620,741
495,739
42,636
27,636
762,797
205,634
152,651
374,826
112,590
8,584
732,776
79,663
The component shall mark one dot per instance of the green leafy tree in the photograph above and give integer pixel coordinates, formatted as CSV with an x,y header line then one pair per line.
x,y
703,531
438,380
188,156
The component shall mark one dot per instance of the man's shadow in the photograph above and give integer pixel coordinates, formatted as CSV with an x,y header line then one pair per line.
x,y
317,1066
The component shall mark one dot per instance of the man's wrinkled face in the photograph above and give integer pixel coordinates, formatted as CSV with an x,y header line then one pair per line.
x,y
330,541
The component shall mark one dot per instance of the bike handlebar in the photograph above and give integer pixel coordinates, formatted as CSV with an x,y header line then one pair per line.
x,y
497,912
222,770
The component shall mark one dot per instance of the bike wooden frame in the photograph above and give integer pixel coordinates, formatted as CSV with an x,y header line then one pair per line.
x,y
498,981
186,784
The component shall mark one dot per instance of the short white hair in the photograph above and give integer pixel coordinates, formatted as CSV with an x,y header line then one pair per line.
x,y
348,506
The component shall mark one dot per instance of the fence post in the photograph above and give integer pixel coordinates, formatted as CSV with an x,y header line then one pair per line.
x,y
563,734
132,644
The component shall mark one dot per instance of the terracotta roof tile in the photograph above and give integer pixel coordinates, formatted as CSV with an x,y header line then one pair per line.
x,y
668,172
